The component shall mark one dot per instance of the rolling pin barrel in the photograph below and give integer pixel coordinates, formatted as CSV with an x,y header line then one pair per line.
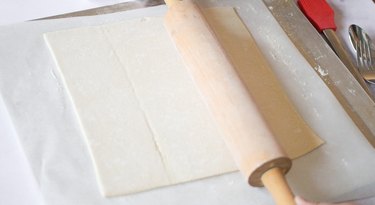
x,y
253,147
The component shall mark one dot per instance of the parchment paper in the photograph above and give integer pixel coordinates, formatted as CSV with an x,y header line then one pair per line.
x,y
47,128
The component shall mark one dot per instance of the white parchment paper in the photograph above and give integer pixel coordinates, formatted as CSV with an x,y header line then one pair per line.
x,y
49,132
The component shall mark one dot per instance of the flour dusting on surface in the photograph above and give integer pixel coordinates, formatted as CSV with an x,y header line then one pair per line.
x,y
321,71
352,91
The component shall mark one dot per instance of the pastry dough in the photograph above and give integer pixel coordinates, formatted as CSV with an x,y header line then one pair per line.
x,y
290,129
144,121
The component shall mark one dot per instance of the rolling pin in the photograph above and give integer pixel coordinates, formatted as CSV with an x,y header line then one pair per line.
x,y
252,145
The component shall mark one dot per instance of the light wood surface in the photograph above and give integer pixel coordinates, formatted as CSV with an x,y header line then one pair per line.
x,y
275,182
169,3
245,132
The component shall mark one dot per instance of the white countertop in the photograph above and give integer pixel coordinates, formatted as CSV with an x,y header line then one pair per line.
x,y
17,184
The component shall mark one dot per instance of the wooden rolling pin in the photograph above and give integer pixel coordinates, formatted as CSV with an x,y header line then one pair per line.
x,y
250,141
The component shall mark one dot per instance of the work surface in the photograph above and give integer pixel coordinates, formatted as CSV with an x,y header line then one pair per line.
x,y
329,158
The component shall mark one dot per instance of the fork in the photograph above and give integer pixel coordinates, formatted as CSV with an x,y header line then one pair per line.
x,y
365,53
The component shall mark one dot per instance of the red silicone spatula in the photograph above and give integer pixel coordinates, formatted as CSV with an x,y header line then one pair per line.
x,y
321,15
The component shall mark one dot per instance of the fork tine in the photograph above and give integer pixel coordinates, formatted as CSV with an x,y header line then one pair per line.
x,y
365,56
371,53
357,55
361,55
367,53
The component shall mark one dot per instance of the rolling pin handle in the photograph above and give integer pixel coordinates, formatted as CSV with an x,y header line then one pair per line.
x,y
276,184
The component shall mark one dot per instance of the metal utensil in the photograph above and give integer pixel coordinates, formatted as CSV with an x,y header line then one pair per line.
x,y
365,52
321,15
360,107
